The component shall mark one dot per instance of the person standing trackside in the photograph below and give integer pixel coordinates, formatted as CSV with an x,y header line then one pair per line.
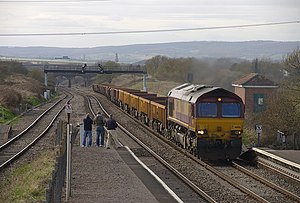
x,y
87,126
111,125
99,122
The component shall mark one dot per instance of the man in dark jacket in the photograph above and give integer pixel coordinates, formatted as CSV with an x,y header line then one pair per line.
x,y
111,125
99,122
87,126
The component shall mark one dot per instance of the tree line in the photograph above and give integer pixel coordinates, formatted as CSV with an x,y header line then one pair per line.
x,y
283,111
219,72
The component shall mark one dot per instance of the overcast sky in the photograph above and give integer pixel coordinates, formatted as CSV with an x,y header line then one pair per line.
x,y
138,15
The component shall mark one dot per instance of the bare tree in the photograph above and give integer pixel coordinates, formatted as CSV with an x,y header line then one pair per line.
x,y
292,82
293,61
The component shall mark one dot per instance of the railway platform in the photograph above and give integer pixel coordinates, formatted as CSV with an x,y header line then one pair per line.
x,y
290,155
113,175
290,158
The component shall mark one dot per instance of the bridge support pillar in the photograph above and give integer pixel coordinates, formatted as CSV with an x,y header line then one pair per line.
x,y
144,82
46,80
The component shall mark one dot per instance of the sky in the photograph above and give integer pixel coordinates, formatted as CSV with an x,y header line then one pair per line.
x,y
79,16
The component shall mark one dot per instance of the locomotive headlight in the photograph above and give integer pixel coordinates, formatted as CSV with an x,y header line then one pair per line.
x,y
201,132
236,132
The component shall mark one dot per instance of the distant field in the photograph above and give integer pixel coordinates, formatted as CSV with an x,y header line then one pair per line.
x,y
136,82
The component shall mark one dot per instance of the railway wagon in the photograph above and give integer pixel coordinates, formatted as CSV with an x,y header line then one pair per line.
x,y
144,110
124,98
145,106
206,120
113,94
158,114
97,88
134,101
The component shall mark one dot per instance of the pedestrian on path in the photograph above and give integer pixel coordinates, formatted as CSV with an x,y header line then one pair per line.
x,y
111,126
99,123
87,126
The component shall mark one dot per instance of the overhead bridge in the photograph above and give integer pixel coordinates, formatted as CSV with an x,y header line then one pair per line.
x,y
92,69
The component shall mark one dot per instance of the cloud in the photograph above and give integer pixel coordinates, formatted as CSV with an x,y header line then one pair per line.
x,y
126,15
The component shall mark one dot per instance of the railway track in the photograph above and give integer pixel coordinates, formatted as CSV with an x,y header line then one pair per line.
x,y
24,140
281,170
190,184
213,185
282,194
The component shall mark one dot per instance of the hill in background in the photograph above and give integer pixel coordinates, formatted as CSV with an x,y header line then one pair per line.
x,y
273,50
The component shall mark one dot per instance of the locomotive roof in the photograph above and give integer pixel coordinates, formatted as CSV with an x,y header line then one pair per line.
x,y
190,92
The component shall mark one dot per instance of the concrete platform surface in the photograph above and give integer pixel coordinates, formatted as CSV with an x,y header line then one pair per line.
x,y
112,175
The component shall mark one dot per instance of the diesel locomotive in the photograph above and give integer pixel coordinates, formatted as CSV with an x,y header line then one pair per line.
x,y
205,120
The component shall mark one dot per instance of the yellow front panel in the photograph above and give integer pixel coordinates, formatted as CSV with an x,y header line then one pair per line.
x,y
219,128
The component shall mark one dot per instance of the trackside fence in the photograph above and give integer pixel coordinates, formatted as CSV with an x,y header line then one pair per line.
x,y
57,182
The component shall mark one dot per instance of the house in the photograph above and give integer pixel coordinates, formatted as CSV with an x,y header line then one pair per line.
x,y
255,90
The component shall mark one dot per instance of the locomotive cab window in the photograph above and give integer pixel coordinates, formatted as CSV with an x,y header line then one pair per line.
x,y
207,110
231,110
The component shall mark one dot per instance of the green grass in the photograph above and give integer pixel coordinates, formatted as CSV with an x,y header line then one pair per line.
x,y
27,183
34,101
5,115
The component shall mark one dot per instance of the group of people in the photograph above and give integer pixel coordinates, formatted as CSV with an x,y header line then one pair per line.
x,y
100,125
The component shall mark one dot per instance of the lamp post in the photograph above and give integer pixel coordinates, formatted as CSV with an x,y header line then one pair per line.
x,y
68,110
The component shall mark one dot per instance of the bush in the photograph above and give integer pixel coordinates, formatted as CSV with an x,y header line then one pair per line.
x,y
34,101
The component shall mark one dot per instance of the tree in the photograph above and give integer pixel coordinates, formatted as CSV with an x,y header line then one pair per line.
x,y
292,83
153,64
282,115
292,61
36,74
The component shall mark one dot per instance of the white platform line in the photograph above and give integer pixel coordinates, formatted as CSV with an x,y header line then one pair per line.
x,y
155,176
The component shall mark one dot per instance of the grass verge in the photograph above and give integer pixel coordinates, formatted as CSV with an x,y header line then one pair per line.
x,y
28,182
5,115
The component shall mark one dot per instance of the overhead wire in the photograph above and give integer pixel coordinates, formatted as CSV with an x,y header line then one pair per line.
x,y
148,31
51,1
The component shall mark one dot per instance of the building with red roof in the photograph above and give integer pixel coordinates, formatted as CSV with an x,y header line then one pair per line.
x,y
255,90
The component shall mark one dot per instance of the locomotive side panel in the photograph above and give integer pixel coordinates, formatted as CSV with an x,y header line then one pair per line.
x,y
182,112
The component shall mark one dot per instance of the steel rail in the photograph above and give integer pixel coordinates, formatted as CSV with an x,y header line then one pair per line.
x,y
279,170
26,148
3,146
266,182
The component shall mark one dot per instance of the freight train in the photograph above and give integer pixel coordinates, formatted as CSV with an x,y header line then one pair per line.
x,y
205,120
